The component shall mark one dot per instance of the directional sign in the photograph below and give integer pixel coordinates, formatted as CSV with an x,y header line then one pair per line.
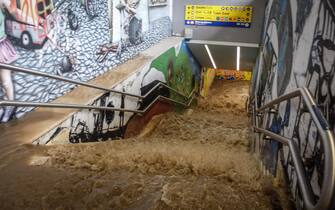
x,y
209,15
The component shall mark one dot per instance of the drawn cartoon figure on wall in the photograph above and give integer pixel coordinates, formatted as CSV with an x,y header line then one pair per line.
x,y
131,24
7,55
32,24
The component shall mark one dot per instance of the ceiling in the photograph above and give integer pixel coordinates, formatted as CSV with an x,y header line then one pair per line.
x,y
224,54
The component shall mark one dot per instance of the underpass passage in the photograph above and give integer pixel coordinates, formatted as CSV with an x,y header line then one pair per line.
x,y
197,159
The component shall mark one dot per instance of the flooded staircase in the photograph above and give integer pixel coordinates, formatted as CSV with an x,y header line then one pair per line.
x,y
197,159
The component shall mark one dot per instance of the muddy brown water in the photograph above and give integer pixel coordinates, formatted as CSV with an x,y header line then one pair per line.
x,y
199,159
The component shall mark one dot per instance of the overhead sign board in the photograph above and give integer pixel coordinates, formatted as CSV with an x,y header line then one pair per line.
x,y
210,15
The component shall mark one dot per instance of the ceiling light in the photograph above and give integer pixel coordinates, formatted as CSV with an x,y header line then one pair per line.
x,y
210,56
238,58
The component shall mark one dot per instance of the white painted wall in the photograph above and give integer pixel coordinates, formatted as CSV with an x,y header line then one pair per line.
x,y
116,22
143,12
161,11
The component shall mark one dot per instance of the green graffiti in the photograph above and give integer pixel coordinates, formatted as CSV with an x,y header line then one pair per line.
x,y
177,70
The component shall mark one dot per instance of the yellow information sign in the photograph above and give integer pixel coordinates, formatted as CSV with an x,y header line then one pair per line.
x,y
210,15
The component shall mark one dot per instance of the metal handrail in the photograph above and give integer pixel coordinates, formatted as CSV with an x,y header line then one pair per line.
x,y
189,99
165,85
61,106
327,195
77,106
64,79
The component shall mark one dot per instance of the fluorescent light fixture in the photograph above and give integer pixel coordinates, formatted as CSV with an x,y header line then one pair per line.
x,y
238,58
210,56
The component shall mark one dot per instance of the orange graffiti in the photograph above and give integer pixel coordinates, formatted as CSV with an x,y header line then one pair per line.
x,y
233,74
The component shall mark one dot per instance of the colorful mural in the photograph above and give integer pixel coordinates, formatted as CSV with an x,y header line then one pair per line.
x,y
78,39
176,68
233,74
298,51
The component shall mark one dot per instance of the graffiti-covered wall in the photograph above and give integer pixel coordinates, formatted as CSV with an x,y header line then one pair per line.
x,y
176,67
298,50
78,39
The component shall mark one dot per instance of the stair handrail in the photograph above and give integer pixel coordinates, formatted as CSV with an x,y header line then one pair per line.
x,y
103,108
186,104
61,78
327,195
64,79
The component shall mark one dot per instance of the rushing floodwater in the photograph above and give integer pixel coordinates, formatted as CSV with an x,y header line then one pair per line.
x,y
195,160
